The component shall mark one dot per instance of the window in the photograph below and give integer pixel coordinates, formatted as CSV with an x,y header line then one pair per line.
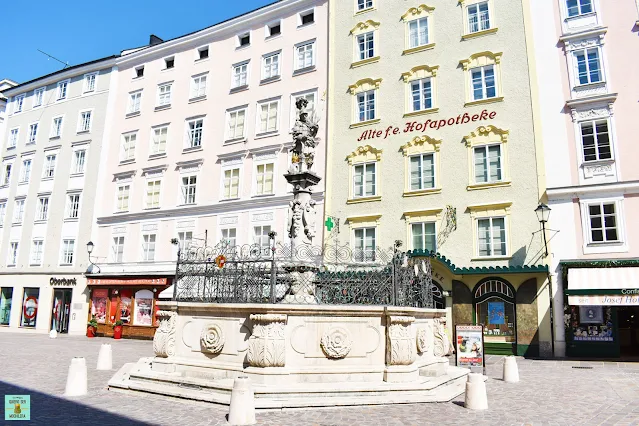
x,y
421,94
274,29
68,249
158,145
139,72
229,236
85,121
483,82
588,66
18,104
169,62
305,56
423,236
261,239
203,52
7,174
595,140
495,309
135,99
418,32
578,7
56,127
364,180
18,211
264,179
123,198
487,164
164,95
478,17
30,307
244,39
38,97
143,308
307,17
240,75
268,116
73,206
366,106
364,4
62,90
492,236
235,120
194,133
148,247
153,194
13,138
3,212
89,82
6,297
25,172
366,46
128,147
117,249
43,208
185,239
12,257
422,172
198,86
189,185
604,226
364,245
36,252
49,166
270,66
231,183
33,133
79,158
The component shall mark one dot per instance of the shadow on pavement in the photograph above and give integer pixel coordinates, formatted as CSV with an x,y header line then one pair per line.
x,y
52,411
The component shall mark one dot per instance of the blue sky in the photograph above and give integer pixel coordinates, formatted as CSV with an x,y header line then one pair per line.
x,y
77,31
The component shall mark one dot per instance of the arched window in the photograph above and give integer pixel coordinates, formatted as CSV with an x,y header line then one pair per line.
x,y
438,296
494,301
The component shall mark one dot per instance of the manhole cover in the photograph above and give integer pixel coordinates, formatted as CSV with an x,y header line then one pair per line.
x,y
582,368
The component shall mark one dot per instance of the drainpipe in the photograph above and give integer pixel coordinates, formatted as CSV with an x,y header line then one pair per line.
x,y
552,316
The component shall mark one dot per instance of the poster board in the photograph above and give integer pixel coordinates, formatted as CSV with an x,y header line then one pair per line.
x,y
469,347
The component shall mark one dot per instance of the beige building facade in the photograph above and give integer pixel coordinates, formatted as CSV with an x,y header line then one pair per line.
x,y
431,142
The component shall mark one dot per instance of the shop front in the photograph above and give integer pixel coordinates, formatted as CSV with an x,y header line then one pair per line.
x,y
601,308
131,300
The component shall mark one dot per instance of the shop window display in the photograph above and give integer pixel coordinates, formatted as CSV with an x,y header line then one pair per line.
x,y
143,307
495,310
6,295
589,323
30,307
125,306
99,305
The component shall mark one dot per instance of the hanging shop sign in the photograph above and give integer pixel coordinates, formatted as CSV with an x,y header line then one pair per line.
x,y
469,344
62,281
417,126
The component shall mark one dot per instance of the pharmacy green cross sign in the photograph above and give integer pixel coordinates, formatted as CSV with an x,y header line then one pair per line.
x,y
329,224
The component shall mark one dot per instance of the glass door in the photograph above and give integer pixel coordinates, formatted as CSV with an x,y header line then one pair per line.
x,y
61,309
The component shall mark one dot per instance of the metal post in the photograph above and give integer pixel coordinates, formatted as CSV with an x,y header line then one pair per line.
x,y
177,271
273,271
543,231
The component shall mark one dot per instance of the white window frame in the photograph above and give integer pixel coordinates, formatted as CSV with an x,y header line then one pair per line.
x,y
39,91
161,100
223,183
592,247
159,193
119,201
53,134
271,56
3,212
258,117
492,250
234,67
365,8
479,21
484,86
12,141
35,136
13,253
6,180
611,142
229,113
85,82
184,242
423,224
195,91
201,49
421,156
304,44
147,245
422,99
19,100
579,7
25,171
135,72
42,214
486,148
184,196
125,150
600,59
375,93
135,99
358,49
376,187
269,26
117,248
58,93
82,128
64,254
19,218
49,165
228,238
301,15
264,163
188,142
75,170
239,38
428,31
33,261
70,204
152,147
356,246
166,63
265,250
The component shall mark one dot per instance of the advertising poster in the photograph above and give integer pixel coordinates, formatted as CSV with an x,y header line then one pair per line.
x,y
99,305
496,313
469,341
125,306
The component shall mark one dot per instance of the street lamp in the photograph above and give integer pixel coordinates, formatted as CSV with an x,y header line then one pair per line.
x,y
543,213
90,247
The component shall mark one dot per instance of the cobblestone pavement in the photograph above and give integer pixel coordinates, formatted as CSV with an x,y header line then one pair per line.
x,y
549,393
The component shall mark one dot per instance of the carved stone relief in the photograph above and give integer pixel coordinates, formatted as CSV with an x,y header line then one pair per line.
x,y
212,338
400,342
164,339
336,342
442,344
424,338
267,344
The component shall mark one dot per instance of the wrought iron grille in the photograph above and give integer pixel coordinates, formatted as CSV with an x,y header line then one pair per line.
x,y
332,275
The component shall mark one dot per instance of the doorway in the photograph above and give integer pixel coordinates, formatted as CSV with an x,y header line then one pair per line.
x,y
61,309
628,321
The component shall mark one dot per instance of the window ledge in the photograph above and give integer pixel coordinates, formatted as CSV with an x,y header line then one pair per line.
x,y
133,114
71,219
484,101
16,223
239,88
263,195
66,264
488,185
234,141
9,148
6,185
47,178
186,204
200,60
422,192
368,9
76,174
365,61
163,107
35,264
305,70
480,258
270,80
592,85
151,208
599,248
137,78
421,112
23,182
156,156
192,149
364,199
479,33
197,99
82,132
229,199
273,37
267,134
40,221
421,48
30,143
120,212
53,138
364,123
299,27
125,162
243,46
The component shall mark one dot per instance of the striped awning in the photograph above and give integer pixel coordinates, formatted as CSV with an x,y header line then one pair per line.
x,y
603,286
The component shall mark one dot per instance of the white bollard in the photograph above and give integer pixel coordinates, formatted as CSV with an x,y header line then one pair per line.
x,y
53,333
105,357
77,378
242,408
476,398
511,372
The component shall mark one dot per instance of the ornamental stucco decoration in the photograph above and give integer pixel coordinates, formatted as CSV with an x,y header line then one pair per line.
x,y
488,58
336,343
267,344
400,342
426,71
424,337
584,43
212,338
363,26
422,9
419,141
364,151
164,338
604,112
442,344
364,85
500,135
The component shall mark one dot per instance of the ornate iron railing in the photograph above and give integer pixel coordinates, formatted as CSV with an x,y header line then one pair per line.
x,y
331,274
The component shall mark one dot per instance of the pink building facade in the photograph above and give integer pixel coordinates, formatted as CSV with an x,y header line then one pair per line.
x,y
198,141
586,116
